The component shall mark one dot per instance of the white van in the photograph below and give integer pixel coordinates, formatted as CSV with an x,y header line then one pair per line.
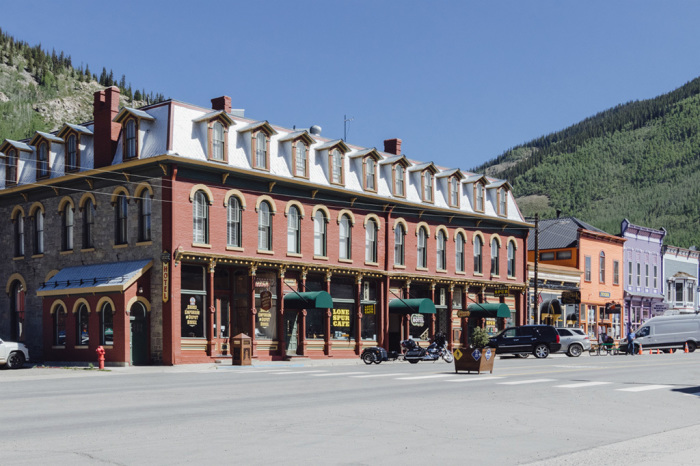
x,y
667,332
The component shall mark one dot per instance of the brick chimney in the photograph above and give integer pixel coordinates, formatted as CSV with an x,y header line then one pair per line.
x,y
392,146
106,132
221,103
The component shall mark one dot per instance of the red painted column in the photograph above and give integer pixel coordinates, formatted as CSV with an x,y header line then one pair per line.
x,y
328,345
358,314
450,294
281,331
253,310
432,316
210,306
302,320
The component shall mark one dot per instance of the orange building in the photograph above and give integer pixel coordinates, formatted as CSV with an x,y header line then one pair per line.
x,y
598,255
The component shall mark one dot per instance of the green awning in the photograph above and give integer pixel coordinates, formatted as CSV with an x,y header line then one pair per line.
x,y
488,310
308,300
412,306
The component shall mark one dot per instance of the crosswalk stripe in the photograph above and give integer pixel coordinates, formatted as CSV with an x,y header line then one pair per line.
x,y
300,372
581,385
520,382
475,379
336,373
643,388
378,375
419,377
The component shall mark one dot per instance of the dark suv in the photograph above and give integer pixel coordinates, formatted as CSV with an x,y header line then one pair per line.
x,y
539,340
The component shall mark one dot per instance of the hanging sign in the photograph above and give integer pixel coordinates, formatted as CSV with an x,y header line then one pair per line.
x,y
266,300
501,291
166,282
417,320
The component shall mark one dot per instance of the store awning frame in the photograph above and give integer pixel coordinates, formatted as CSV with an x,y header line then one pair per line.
x,y
412,306
308,300
489,310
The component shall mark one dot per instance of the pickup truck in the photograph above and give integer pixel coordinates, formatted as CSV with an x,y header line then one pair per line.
x,y
13,355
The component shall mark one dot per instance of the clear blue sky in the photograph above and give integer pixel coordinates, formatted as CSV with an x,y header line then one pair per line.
x,y
458,81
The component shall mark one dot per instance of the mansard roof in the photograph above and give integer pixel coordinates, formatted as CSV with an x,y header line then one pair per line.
x,y
127,111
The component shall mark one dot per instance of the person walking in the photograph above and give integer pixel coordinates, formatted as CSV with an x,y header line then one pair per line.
x,y
630,343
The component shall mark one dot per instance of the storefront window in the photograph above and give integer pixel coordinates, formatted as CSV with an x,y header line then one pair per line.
x,y
266,319
419,326
342,322
192,297
369,322
314,324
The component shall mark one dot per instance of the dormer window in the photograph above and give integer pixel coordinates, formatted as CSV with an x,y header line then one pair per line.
x,y
217,141
301,160
42,160
130,139
502,202
454,192
261,151
72,162
370,169
11,167
427,180
399,180
479,197
336,162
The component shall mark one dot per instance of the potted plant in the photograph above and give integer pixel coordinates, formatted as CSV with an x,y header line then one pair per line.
x,y
478,356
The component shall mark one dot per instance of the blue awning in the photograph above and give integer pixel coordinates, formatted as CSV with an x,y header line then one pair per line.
x,y
98,278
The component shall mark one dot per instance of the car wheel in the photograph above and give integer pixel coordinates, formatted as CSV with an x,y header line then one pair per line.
x,y
691,346
522,355
368,357
541,351
16,360
575,350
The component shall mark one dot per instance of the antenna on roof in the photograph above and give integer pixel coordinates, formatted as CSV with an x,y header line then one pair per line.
x,y
345,127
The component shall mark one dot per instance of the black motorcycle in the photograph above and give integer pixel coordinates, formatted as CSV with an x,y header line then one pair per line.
x,y
413,352
377,354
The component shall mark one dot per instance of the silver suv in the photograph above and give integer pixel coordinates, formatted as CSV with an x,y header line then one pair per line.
x,y
574,341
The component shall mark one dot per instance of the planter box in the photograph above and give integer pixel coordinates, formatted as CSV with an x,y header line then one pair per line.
x,y
474,359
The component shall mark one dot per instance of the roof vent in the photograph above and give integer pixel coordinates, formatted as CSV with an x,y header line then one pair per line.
x,y
315,130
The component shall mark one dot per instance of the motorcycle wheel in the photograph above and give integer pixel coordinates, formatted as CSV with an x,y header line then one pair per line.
x,y
412,361
448,357
368,358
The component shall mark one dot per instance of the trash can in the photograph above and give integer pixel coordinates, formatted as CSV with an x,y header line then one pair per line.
x,y
241,350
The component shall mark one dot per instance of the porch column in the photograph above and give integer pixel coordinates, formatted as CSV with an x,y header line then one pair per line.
x,y
302,320
281,331
450,294
209,319
358,314
328,344
433,317
463,321
252,271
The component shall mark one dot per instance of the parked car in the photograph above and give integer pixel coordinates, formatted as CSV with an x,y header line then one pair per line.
x,y
13,355
539,340
574,341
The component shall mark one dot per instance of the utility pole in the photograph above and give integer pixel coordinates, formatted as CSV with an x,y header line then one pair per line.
x,y
537,260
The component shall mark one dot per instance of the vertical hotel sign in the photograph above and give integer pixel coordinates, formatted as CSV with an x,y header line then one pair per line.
x,y
166,275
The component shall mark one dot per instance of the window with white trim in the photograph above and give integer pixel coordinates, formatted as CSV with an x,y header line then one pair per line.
x,y
495,257
441,255
233,222
399,180
511,259
217,141
345,237
42,163
67,228
459,252
399,250
130,140
293,230
300,156
320,239
200,218
371,241
422,249
478,258
264,227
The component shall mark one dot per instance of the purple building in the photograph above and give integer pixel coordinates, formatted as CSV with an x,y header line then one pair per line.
x,y
643,272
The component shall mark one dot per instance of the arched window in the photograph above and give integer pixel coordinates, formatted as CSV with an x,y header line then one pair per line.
x,y
422,251
300,159
345,238
495,248
320,243
336,167
72,153
294,230
264,227
11,167
217,143
82,329
67,228
477,255
145,202
370,174
18,221
511,259
17,311
602,267
427,186
88,224
39,232
42,168
106,325
261,150
399,245
59,326
130,149
121,210
441,255
200,218
371,241
459,252
399,180
233,222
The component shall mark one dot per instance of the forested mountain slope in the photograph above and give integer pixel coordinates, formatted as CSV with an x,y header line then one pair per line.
x,y
639,161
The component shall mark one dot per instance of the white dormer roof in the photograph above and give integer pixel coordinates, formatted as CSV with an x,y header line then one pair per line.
x,y
48,136
126,111
257,125
78,128
212,115
298,135
332,144
452,172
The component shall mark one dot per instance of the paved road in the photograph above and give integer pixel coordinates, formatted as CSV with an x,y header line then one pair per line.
x,y
597,410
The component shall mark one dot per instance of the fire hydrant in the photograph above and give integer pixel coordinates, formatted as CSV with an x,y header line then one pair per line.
x,y
101,357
